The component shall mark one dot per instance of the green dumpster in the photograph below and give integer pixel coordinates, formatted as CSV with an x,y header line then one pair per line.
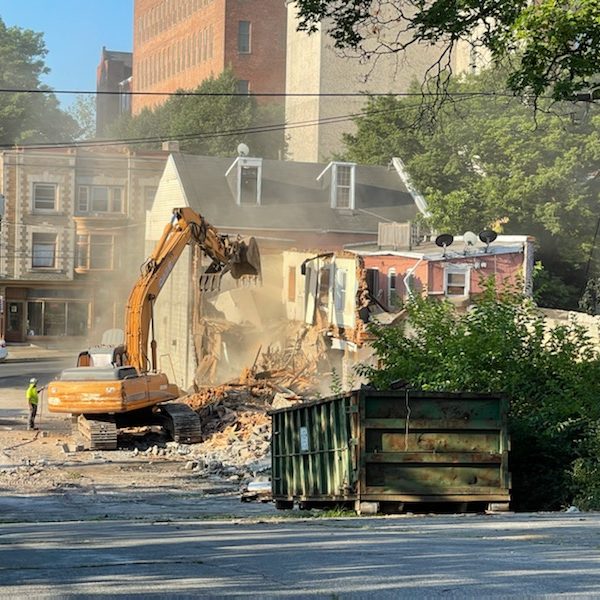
x,y
392,448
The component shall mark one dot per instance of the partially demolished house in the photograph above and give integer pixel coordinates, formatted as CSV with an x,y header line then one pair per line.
x,y
338,293
284,205
400,265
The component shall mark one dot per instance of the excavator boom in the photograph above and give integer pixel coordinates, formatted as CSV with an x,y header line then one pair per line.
x,y
128,387
235,256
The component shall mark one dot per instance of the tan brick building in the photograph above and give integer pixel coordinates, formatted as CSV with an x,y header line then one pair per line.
x,y
71,239
179,43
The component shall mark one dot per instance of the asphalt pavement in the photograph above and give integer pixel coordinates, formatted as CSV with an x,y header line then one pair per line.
x,y
524,556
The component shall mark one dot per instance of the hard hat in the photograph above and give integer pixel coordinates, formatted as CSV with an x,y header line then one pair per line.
x,y
33,380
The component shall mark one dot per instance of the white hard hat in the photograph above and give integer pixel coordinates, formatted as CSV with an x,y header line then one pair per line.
x,y
33,380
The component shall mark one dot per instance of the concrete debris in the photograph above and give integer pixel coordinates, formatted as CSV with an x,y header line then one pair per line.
x,y
257,491
236,429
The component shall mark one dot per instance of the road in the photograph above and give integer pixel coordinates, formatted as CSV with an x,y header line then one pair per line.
x,y
17,374
136,526
523,556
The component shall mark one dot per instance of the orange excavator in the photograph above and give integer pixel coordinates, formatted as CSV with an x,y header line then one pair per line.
x,y
121,386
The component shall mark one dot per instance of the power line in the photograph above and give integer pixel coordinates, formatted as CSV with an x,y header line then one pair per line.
x,y
274,127
192,93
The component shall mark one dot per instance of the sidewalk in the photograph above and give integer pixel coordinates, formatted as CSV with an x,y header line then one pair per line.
x,y
30,353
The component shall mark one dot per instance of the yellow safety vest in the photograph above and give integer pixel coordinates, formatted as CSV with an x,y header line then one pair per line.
x,y
32,395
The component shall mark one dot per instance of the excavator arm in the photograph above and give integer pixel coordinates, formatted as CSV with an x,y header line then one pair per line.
x,y
186,226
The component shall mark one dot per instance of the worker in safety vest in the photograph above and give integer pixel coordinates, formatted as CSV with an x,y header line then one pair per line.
x,y
32,400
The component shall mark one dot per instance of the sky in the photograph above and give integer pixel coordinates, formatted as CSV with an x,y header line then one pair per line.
x,y
74,32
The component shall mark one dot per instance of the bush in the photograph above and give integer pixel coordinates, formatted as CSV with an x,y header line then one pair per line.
x,y
502,345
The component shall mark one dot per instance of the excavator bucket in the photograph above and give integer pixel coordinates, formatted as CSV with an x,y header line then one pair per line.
x,y
246,260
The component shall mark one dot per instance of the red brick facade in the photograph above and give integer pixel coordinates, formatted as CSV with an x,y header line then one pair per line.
x,y
179,43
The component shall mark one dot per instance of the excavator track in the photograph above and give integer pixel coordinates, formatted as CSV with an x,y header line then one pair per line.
x,y
181,422
100,432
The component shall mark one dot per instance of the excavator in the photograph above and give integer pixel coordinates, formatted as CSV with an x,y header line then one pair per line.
x,y
121,386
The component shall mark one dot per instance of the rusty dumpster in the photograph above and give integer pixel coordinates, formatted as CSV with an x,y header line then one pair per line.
x,y
389,449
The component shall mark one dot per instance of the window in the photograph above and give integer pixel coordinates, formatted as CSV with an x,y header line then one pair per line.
x,y
44,196
44,251
392,288
82,253
456,281
101,252
83,200
343,186
372,277
340,289
324,278
57,318
249,182
343,180
248,185
243,87
291,296
100,199
244,37
95,252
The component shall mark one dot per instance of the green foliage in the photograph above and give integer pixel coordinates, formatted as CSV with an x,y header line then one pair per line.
x,y
551,376
553,47
28,117
551,291
590,300
486,163
208,125
83,112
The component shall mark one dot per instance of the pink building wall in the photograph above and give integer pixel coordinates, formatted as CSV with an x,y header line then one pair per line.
x,y
429,275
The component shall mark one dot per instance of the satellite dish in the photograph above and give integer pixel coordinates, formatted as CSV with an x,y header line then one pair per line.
x,y
444,240
470,238
487,236
243,150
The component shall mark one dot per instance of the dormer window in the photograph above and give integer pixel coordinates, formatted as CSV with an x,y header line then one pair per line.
x,y
249,180
343,179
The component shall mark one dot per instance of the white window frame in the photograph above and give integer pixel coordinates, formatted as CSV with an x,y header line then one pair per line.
x,y
33,197
339,289
52,267
254,163
457,270
111,189
333,167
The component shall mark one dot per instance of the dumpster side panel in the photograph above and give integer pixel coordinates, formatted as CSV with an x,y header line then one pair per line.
x,y
423,447
313,451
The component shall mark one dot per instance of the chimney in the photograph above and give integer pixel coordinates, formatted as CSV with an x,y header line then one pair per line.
x,y
171,146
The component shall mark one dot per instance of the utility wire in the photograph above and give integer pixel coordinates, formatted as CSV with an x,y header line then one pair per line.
x,y
213,134
256,94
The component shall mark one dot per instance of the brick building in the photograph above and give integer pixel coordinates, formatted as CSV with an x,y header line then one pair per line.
x,y
71,239
179,43
113,75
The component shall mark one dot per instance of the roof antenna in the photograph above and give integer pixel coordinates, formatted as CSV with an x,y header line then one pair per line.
x,y
487,236
443,241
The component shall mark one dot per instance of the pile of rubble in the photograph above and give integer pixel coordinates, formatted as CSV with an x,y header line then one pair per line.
x,y
236,429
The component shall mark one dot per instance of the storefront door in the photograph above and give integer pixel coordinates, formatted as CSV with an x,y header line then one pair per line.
x,y
15,321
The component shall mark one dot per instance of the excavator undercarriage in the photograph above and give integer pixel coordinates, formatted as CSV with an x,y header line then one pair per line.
x,y
100,432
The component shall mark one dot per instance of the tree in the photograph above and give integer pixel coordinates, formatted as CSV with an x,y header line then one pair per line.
x,y
552,47
501,345
212,125
485,163
83,112
28,117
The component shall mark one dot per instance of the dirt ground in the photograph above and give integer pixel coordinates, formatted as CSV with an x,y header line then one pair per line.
x,y
50,460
